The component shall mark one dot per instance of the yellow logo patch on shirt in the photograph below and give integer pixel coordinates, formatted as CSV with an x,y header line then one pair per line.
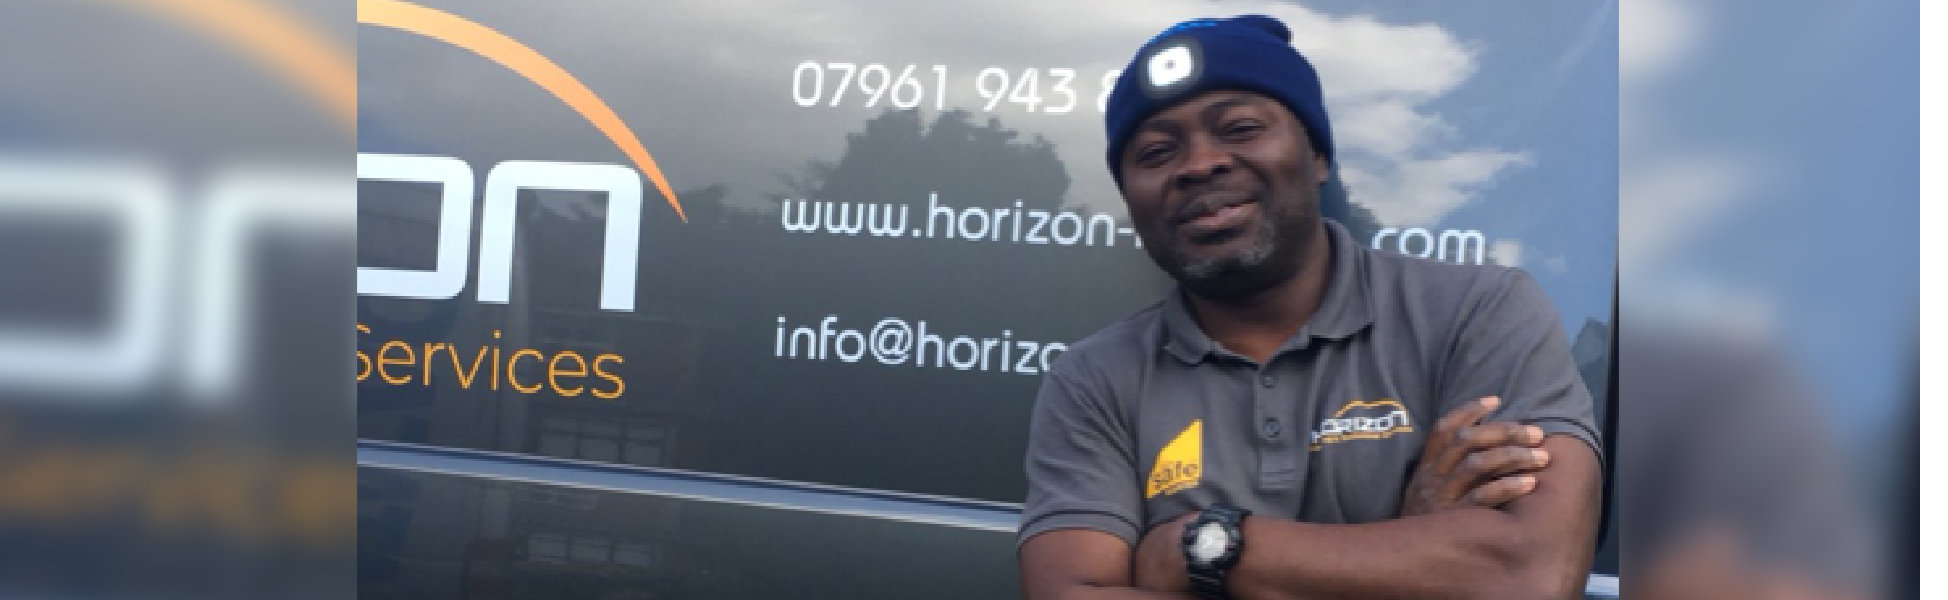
x,y
1180,464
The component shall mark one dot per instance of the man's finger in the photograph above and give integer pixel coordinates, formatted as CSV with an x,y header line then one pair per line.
x,y
1446,469
1477,438
1467,414
1451,424
1487,465
1490,435
1500,491
1484,436
1449,444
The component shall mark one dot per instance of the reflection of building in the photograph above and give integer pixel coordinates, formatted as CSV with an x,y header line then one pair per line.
x,y
566,539
522,540
1591,351
549,530
636,443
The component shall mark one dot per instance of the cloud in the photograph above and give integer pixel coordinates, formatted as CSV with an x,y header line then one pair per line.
x,y
1652,36
1507,253
1674,186
1669,199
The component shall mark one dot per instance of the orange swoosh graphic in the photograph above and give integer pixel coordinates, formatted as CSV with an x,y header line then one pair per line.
x,y
524,61
279,38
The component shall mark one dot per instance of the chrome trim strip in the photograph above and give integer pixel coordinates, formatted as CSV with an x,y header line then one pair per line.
x,y
1603,586
977,515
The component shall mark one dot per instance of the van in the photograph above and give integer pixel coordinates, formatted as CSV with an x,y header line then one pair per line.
x,y
716,300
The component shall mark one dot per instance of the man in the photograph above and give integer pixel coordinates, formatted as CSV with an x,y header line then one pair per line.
x,y
1277,406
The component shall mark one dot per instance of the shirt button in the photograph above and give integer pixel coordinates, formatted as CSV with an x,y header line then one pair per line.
x,y
1266,380
1271,428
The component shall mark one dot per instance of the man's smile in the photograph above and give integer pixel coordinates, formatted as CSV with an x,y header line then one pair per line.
x,y
1215,216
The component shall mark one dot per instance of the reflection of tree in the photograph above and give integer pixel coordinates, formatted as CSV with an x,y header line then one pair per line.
x,y
735,271
710,291
1336,203
731,272
984,162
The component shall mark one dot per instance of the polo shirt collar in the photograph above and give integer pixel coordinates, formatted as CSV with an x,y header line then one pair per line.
x,y
1346,309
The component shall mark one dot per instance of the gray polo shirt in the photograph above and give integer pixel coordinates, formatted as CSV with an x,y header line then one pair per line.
x,y
1150,418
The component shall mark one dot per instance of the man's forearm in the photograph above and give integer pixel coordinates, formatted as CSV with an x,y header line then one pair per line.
x,y
1538,547
1083,591
1082,564
1446,555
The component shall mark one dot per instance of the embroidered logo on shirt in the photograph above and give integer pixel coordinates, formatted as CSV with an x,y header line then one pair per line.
x,y
1363,420
1180,463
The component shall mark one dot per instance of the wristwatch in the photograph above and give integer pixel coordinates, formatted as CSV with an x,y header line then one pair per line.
x,y
1212,543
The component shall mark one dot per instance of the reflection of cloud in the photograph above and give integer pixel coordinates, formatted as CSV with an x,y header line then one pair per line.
x,y
1557,264
1389,128
1413,192
1507,253
1379,80
1362,59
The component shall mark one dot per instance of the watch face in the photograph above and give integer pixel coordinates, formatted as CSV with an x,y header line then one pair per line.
x,y
1209,544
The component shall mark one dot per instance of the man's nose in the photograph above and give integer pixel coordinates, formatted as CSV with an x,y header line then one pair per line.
x,y
1204,159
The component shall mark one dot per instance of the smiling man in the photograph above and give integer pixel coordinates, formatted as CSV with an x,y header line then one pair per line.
x,y
1269,430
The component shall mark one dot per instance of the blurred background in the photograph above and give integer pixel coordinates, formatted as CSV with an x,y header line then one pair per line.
x,y
1768,371
177,231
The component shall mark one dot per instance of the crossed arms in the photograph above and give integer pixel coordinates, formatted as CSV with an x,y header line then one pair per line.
x,y
1484,517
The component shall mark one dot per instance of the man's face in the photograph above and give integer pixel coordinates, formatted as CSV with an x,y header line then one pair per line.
x,y
1224,189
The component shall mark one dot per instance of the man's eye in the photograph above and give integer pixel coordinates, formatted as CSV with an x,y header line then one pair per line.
x,y
1242,128
1152,153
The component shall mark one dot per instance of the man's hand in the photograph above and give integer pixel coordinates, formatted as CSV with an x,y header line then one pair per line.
x,y
1469,463
1159,562
1465,463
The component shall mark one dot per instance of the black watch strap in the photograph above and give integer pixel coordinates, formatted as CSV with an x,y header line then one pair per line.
x,y
1207,580
1208,586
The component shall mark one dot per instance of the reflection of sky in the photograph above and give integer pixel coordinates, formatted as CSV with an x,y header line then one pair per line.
x,y
1546,86
1446,116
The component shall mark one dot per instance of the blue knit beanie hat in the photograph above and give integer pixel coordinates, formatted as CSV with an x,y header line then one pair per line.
x,y
1251,53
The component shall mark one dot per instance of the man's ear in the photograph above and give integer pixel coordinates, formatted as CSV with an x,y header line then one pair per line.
x,y
1323,168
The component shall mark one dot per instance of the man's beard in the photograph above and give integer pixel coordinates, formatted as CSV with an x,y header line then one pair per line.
x,y
1235,274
